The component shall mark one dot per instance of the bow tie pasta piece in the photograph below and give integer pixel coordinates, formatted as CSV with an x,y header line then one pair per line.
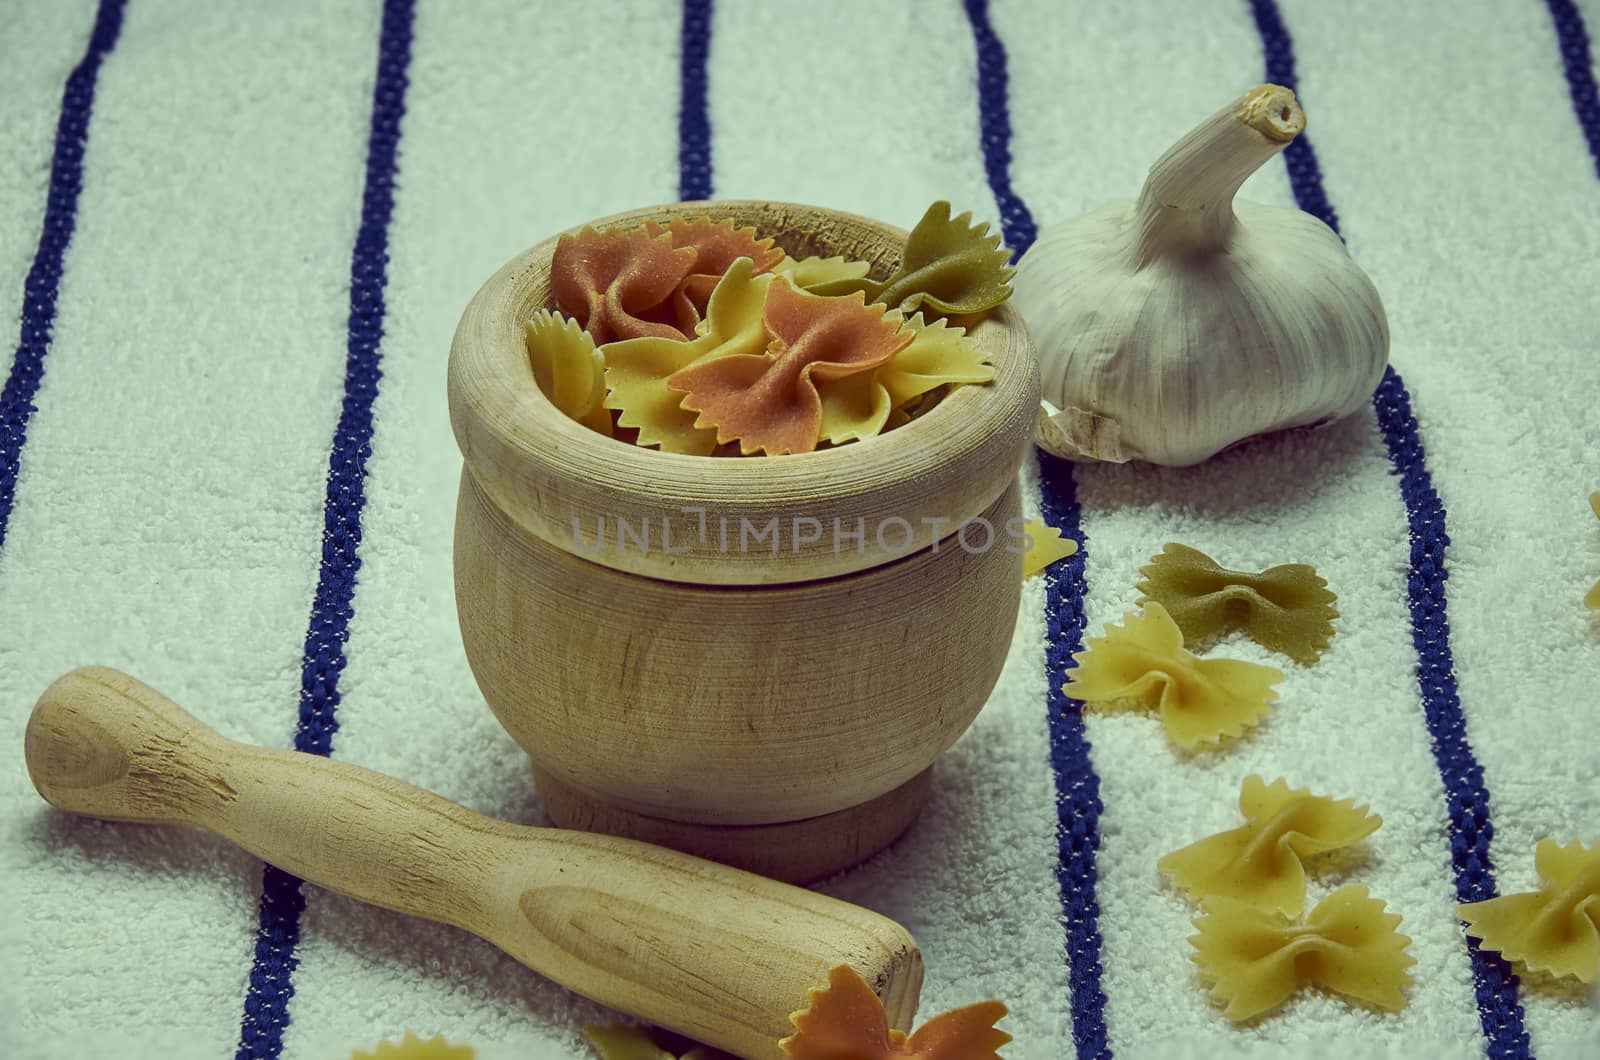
x,y
1555,929
1592,601
1255,960
569,369
716,246
950,265
619,285
808,272
1260,863
1201,701
637,370
769,401
1046,546
847,1022
414,1048
1286,609
858,406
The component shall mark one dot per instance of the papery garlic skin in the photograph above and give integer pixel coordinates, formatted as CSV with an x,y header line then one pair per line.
x,y
1171,328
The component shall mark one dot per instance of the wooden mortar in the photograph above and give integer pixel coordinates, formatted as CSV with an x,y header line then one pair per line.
x,y
775,706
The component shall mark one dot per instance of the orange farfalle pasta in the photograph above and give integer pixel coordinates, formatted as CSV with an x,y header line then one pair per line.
x,y
858,406
1201,700
1255,959
717,245
637,370
619,284
769,401
1555,929
847,1022
1260,863
1285,609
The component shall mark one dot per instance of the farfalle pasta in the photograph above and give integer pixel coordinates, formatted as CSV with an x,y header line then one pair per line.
x,y
950,266
810,272
1046,546
569,369
412,1047
1201,701
1554,930
704,353
637,370
1261,862
847,1022
619,285
859,405
1255,959
768,401
1286,609
716,246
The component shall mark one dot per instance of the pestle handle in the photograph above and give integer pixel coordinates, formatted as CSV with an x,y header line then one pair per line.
x,y
718,954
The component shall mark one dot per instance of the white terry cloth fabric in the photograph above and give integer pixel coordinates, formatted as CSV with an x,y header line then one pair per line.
x,y
169,513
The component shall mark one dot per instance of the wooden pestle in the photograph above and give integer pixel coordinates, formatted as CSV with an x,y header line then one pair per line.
x,y
721,955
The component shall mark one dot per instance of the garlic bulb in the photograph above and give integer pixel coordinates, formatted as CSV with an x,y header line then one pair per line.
x,y
1173,327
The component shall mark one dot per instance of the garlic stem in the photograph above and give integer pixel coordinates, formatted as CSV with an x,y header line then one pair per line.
x,y
1187,202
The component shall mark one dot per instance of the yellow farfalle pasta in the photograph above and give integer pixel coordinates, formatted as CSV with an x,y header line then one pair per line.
x,y
637,370
415,1048
1255,959
1201,700
1592,601
1285,609
1260,863
809,272
1555,929
1046,546
858,406
569,369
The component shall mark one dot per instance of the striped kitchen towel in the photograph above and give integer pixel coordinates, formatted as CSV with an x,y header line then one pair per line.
x,y
235,239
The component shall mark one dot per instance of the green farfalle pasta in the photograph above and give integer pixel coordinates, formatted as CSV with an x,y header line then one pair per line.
x,y
950,266
1286,609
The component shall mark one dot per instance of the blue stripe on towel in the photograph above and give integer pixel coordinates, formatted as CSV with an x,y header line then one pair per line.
x,y
266,1006
44,278
1077,785
1578,61
1466,794
694,112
